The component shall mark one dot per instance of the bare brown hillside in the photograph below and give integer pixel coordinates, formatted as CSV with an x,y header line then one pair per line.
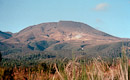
x,y
61,31
62,35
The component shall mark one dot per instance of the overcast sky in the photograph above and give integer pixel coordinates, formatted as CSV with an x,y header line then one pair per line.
x,y
110,16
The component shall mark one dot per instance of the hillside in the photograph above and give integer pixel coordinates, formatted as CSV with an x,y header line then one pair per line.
x,y
62,31
59,37
5,35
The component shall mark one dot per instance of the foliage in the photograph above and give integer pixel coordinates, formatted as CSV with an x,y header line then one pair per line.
x,y
75,69
0,56
50,67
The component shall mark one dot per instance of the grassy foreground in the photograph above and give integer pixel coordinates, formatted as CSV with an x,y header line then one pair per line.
x,y
75,69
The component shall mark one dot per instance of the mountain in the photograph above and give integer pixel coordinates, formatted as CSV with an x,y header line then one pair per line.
x,y
61,31
62,36
5,35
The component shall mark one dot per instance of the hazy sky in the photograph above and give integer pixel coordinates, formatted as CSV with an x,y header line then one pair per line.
x,y
111,16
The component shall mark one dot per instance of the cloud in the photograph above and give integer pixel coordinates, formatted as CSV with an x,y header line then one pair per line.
x,y
99,21
101,7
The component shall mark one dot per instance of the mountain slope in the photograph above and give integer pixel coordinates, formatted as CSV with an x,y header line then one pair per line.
x,y
5,35
62,31
62,37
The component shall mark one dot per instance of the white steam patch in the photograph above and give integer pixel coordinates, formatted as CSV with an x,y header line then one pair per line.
x,y
78,36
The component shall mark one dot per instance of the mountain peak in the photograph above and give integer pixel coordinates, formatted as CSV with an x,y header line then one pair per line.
x,y
71,23
67,21
55,36
5,35
61,31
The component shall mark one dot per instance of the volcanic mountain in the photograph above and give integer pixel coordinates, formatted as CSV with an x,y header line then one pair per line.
x,y
61,31
55,36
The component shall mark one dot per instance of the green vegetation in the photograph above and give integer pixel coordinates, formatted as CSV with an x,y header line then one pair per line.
x,y
0,56
77,68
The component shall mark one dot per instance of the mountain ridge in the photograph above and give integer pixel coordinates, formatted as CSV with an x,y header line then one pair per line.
x,y
65,30
57,36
